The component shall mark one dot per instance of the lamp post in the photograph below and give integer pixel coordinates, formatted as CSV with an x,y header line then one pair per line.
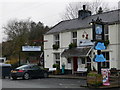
x,y
19,56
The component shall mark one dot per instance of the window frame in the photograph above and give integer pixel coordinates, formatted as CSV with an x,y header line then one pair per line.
x,y
74,37
105,64
57,39
56,57
106,33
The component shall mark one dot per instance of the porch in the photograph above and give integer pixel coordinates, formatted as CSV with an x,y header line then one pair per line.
x,y
80,59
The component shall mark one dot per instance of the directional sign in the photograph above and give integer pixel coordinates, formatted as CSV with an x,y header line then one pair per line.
x,y
100,46
100,58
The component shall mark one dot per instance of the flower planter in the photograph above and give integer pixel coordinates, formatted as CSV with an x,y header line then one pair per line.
x,y
56,72
94,79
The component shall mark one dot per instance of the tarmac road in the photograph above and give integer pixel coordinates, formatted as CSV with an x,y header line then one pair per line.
x,y
46,83
43,83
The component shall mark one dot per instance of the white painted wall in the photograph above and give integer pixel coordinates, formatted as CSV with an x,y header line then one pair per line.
x,y
49,43
65,39
48,55
118,46
48,58
113,34
81,32
113,37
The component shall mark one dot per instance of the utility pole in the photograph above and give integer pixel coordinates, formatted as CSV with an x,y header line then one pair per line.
x,y
19,58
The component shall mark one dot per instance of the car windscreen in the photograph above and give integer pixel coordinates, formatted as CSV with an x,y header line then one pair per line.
x,y
24,67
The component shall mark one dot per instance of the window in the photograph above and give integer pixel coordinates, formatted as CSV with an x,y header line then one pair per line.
x,y
83,60
56,39
35,67
57,58
74,37
69,60
106,31
106,64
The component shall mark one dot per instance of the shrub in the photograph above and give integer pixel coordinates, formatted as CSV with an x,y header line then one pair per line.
x,y
106,43
55,46
56,66
72,45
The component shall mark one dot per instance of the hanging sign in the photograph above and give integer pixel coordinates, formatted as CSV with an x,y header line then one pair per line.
x,y
98,32
100,46
99,58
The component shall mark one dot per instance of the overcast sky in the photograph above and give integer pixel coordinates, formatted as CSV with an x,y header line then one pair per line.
x,y
48,12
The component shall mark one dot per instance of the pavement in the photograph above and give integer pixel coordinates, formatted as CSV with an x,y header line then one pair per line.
x,y
68,77
112,84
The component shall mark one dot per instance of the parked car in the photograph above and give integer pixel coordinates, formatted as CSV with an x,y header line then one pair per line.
x,y
28,71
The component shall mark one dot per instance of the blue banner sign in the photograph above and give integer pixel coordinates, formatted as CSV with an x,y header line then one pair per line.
x,y
100,46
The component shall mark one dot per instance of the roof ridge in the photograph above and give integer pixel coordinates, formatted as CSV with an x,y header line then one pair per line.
x,y
93,15
82,23
106,12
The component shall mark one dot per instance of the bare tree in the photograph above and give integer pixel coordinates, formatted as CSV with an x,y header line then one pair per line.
x,y
73,8
21,32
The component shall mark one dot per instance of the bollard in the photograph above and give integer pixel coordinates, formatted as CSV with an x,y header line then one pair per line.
x,y
63,69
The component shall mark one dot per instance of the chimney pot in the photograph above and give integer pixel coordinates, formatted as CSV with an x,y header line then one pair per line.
x,y
100,10
84,6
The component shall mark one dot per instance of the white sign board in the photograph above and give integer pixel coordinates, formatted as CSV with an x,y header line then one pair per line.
x,y
31,48
86,43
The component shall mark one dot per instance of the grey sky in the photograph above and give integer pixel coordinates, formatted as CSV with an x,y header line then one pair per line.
x,y
47,11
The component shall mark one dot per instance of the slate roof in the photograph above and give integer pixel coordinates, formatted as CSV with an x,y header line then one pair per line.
x,y
74,24
77,52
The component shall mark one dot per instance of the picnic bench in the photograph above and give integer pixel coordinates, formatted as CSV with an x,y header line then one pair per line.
x,y
81,71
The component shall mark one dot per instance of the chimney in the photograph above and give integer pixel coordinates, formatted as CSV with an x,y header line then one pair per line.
x,y
83,13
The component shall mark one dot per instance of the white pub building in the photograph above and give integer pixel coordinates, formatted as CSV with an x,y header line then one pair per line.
x,y
69,42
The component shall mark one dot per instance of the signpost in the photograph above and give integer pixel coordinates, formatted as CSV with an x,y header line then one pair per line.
x,y
98,36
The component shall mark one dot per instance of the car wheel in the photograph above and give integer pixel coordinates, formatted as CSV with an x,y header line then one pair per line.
x,y
26,76
45,75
